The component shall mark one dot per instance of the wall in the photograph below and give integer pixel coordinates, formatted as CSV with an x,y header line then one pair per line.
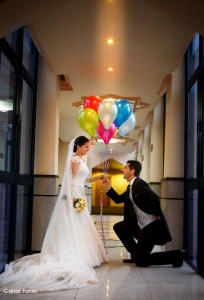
x,y
62,157
172,187
47,121
46,152
174,131
166,170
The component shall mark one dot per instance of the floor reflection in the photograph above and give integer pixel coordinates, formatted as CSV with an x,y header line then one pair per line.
x,y
120,281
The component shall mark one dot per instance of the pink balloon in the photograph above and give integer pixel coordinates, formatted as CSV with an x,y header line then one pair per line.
x,y
106,134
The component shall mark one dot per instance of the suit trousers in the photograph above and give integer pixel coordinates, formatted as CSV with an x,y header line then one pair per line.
x,y
147,238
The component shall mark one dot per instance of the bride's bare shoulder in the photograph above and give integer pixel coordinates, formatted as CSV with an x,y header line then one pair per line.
x,y
76,159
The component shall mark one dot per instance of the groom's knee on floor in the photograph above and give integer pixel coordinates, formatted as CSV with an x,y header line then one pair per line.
x,y
117,227
142,261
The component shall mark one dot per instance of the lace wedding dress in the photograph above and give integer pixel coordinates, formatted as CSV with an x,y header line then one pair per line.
x,y
71,247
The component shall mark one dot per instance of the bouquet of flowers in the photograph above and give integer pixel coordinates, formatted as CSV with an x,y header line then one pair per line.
x,y
79,204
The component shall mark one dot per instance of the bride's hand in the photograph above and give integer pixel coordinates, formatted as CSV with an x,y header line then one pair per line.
x,y
101,177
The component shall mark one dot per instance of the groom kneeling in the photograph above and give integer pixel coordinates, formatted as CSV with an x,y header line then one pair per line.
x,y
143,220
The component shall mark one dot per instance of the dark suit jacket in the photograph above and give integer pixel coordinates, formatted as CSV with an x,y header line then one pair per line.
x,y
148,201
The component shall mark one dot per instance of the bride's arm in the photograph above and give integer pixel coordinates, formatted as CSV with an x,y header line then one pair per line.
x,y
75,164
92,179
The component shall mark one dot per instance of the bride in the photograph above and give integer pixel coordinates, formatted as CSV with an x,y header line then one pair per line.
x,y
71,247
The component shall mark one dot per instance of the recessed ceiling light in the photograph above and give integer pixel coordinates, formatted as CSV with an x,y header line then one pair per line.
x,y
110,69
109,41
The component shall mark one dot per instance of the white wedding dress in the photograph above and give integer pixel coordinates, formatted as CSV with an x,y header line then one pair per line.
x,y
71,247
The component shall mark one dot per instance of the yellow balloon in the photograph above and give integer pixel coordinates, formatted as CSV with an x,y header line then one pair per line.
x,y
88,120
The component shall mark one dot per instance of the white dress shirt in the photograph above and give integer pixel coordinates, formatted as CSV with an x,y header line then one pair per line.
x,y
143,219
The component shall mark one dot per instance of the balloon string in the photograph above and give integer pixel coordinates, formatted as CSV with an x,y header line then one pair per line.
x,y
101,210
106,167
101,220
102,215
100,156
107,159
103,163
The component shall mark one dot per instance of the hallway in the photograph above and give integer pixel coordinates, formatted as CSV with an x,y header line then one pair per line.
x,y
124,282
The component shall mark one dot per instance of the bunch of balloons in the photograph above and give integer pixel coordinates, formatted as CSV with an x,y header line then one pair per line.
x,y
105,116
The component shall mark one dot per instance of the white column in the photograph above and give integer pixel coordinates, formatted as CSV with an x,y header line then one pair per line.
x,y
146,154
46,152
174,131
172,186
139,155
47,121
156,144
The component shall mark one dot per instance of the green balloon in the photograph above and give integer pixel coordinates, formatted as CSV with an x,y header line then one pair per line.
x,y
88,120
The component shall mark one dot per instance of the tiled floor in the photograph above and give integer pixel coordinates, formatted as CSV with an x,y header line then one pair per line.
x,y
123,282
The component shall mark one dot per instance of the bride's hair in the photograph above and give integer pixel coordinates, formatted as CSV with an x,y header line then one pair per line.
x,y
80,141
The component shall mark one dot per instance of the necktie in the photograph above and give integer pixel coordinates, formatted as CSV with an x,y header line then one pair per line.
x,y
132,205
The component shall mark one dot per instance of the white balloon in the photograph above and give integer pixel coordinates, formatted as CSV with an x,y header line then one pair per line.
x,y
128,125
107,112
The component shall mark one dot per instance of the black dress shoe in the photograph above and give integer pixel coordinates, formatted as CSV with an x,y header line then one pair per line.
x,y
129,261
179,258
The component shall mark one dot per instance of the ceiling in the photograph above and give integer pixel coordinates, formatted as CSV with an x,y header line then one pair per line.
x,y
150,39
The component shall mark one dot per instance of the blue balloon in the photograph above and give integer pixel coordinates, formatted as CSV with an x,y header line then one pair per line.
x,y
128,125
124,111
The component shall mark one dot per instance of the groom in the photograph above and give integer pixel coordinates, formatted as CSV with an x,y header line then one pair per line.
x,y
143,221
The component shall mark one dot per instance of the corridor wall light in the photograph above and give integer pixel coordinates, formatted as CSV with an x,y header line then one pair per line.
x,y
110,69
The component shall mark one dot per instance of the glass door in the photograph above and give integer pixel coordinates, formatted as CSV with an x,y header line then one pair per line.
x,y
18,89
194,156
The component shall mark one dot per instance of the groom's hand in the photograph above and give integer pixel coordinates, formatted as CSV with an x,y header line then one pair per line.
x,y
107,183
105,178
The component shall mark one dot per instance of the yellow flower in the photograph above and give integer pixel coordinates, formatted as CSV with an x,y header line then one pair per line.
x,y
130,187
79,204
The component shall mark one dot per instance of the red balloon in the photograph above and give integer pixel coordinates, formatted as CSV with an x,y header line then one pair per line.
x,y
106,134
92,102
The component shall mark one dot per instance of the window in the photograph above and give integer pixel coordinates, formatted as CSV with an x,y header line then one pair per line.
x,y
7,93
194,155
5,204
12,39
21,220
26,126
18,89
28,52
193,55
192,131
192,225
